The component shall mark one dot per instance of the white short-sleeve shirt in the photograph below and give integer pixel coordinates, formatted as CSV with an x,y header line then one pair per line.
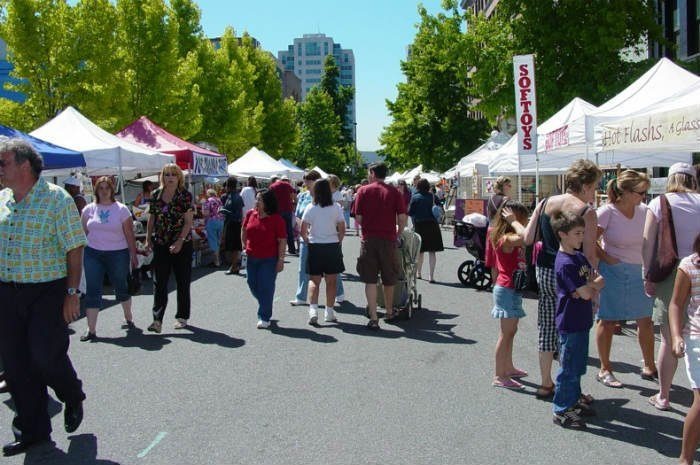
x,y
323,223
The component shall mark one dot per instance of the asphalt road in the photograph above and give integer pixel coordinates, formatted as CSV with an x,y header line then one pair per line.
x,y
418,392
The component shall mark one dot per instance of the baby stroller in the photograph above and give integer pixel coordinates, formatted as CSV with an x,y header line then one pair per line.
x,y
406,297
471,232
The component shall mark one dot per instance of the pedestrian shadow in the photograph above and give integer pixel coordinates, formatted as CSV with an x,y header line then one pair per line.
x,y
82,450
300,333
425,325
151,342
617,422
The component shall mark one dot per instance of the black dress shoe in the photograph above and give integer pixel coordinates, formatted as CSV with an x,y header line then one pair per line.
x,y
17,447
72,416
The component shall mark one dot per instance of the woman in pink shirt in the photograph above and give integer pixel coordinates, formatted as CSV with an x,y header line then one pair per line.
x,y
621,222
111,250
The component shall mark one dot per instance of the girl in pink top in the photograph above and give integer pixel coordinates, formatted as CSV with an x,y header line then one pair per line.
x,y
686,341
507,240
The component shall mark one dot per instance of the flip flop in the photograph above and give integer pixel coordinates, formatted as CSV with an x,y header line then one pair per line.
x,y
544,392
609,380
508,384
659,404
517,373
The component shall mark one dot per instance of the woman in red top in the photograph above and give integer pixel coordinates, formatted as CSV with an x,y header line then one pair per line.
x,y
507,242
264,235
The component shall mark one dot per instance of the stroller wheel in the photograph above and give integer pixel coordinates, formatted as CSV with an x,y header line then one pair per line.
x,y
464,271
481,277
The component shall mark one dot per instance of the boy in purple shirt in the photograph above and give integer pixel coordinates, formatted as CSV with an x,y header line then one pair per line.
x,y
577,288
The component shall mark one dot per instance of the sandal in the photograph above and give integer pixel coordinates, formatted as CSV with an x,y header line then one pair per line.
x,y
650,376
658,403
155,327
608,379
507,383
544,392
517,373
373,325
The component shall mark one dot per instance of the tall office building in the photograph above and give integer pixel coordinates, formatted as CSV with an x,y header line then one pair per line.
x,y
305,58
5,69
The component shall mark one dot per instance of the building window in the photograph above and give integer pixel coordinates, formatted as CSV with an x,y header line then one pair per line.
x,y
313,71
345,58
299,49
693,25
312,49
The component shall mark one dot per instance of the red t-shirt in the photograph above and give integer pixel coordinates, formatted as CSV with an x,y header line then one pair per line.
x,y
262,234
283,192
378,204
507,263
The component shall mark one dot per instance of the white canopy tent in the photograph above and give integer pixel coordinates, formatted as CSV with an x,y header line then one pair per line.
x,y
323,174
480,158
105,153
256,162
552,143
672,125
395,178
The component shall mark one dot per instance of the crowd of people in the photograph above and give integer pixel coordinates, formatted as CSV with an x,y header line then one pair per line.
x,y
594,268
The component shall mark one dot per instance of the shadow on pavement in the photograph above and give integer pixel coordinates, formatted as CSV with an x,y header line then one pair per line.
x,y
424,326
636,427
300,333
137,338
81,450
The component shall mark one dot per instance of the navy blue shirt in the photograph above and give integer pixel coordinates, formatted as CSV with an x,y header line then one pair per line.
x,y
573,314
233,207
420,208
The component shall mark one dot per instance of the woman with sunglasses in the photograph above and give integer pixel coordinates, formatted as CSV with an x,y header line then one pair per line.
x,y
621,223
111,250
168,233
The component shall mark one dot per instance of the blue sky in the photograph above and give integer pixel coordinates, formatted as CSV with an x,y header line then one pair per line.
x,y
378,32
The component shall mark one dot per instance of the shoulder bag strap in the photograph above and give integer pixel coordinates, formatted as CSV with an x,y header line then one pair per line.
x,y
667,216
537,224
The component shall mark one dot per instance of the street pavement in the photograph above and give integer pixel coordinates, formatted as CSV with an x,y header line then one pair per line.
x,y
418,392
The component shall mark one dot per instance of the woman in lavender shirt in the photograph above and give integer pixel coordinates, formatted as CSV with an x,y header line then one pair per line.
x,y
111,249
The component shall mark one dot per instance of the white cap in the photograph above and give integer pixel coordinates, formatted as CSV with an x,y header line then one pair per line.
x,y
683,168
284,177
72,181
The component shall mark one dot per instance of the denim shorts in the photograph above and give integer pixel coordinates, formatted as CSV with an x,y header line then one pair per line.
x,y
97,263
507,303
692,360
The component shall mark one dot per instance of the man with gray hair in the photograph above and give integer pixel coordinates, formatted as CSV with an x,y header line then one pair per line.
x,y
42,242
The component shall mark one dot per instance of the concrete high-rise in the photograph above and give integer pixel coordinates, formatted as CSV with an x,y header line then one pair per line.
x,y
305,57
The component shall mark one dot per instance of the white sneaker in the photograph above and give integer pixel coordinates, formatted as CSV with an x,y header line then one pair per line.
x,y
313,315
339,299
263,324
330,316
181,323
296,302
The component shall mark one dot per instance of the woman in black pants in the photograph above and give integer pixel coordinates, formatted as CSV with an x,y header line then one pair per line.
x,y
233,217
168,233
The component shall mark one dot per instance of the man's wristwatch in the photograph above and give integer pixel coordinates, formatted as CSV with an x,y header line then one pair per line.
x,y
73,291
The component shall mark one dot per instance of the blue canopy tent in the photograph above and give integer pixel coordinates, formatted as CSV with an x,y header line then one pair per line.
x,y
57,160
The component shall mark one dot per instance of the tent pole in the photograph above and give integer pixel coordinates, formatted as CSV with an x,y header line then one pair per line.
x,y
121,178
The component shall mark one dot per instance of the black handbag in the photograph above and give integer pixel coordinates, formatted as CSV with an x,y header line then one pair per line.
x,y
133,281
521,280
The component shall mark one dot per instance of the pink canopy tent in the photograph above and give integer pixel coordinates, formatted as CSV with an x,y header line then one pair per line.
x,y
198,160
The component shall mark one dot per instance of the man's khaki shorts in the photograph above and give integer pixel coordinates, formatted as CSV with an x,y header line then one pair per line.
x,y
378,256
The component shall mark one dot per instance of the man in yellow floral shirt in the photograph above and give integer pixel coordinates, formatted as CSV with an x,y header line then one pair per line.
x,y
41,250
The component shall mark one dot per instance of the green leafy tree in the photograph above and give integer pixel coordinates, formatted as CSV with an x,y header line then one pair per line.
x,y
578,49
187,16
41,47
320,132
431,122
158,83
341,96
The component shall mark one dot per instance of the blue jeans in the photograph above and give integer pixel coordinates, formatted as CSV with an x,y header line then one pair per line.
x,y
346,216
289,219
303,279
115,263
573,356
262,274
215,228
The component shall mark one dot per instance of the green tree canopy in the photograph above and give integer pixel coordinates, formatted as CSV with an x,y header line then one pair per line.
x,y
320,132
580,50
431,114
341,96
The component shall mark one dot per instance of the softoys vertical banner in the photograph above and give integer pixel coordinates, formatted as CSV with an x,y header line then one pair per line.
x,y
525,103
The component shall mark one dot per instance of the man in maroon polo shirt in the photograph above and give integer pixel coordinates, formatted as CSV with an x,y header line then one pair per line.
x,y
379,209
285,194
